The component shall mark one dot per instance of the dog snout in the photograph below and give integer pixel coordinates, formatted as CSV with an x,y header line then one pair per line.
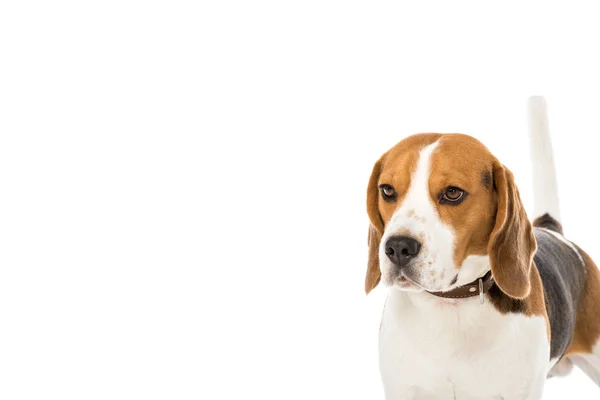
x,y
401,249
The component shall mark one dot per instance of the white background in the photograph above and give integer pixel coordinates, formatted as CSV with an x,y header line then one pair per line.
x,y
182,184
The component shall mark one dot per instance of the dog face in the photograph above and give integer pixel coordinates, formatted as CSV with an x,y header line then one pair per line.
x,y
442,208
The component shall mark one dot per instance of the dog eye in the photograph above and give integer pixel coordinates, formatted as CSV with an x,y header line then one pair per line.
x,y
388,192
452,194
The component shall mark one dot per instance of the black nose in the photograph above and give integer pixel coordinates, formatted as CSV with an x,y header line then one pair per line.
x,y
400,249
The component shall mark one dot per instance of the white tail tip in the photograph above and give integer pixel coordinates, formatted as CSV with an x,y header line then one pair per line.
x,y
545,190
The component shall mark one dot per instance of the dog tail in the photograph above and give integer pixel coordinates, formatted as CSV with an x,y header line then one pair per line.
x,y
545,192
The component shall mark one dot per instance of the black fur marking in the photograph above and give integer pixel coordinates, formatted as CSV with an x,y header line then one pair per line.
x,y
563,277
546,221
503,302
486,178
454,280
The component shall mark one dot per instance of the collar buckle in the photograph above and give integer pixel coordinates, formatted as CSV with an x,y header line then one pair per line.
x,y
481,291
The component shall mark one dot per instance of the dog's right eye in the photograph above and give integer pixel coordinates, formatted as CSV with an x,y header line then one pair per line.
x,y
388,192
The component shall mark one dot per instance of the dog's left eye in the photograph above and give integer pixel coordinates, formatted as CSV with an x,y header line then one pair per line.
x,y
452,194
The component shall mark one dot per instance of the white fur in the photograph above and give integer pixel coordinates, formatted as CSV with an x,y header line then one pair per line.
x,y
473,267
545,191
433,348
417,217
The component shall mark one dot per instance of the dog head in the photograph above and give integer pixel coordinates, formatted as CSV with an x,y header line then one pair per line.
x,y
443,211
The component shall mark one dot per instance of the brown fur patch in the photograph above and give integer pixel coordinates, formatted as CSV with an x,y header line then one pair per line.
x,y
458,161
587,326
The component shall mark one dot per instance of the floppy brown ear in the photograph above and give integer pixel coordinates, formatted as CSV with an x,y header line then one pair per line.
x,y
512,244
375,229
373,272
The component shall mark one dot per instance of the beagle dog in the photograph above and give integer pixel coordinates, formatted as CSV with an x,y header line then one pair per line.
x,y
482,303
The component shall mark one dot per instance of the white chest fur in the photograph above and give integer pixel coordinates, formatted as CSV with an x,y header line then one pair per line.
x,y
433,348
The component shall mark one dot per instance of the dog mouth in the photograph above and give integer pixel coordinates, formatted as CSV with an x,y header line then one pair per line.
x,y
404,282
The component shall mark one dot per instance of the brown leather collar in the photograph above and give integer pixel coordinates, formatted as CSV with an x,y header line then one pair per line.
x,y
476,288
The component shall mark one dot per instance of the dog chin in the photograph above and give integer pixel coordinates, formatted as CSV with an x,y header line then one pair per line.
x,y
406,284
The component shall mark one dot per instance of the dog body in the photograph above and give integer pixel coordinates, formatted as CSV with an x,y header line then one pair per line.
x,y
444,213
